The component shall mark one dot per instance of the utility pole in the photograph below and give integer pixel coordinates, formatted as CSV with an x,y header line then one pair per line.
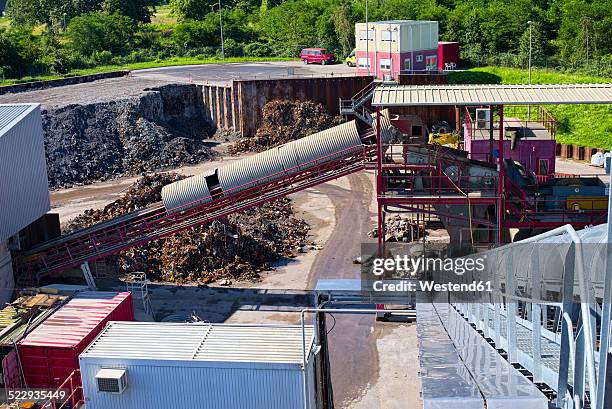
x,y
221,29
529,71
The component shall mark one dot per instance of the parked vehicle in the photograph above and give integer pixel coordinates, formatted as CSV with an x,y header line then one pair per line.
x,y
317,55
351,60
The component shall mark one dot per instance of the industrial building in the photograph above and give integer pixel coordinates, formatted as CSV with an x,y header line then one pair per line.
x,y
388,48
22,163
200,365
538,338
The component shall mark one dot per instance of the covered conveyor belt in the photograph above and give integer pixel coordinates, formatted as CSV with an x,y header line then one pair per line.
x,y
456,359
257,179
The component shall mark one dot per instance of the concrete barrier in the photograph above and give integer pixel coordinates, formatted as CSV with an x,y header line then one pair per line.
x,y
36,85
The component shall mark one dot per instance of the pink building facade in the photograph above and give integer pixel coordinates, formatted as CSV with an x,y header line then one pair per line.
x,y
391,64
389,48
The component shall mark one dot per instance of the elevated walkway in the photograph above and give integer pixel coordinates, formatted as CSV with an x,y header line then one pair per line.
x,y
457,361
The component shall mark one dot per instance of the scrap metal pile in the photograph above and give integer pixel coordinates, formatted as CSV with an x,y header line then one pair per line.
x,y
103,140
238,247
285,121
400,229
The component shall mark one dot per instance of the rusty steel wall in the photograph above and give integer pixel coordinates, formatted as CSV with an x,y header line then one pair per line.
x,y
239,106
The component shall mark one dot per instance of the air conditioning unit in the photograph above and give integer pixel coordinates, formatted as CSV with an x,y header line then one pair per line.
x,y
483,118
111,380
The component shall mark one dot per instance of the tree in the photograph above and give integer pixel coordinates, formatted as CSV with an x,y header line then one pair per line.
x,y
137,10
538,46
190,9
100,31
344,25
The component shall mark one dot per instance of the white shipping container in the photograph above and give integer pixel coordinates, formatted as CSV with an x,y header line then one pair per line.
x,y
24,188
199,365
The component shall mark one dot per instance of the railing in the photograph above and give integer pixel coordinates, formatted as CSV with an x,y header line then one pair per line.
x,y
522,279
516,115
71,392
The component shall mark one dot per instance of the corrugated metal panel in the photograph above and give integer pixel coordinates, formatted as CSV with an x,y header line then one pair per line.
x,y
215,387
201,342
72,323
10,113
22,163
267,166
248,172
385,127
407,95
186,191
327,145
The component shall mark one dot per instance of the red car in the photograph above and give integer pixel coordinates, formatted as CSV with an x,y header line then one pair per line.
x,y
317,55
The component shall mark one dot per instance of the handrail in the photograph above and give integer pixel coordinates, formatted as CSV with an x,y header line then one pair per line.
x,y
583,292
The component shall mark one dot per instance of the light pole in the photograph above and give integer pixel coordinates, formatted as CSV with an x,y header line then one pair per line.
x,y
530,23
221,28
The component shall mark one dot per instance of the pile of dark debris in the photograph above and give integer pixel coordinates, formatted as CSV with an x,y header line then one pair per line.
x,y
285,121
238,247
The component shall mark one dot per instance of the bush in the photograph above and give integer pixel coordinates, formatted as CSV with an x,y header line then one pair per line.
x,y
257,50
194,34
101,57
97,32
233,48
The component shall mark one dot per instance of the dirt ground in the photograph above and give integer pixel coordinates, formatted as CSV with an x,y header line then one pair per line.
x,y
364,354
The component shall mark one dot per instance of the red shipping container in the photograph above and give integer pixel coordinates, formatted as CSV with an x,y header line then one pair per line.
x,y
448,53
50,353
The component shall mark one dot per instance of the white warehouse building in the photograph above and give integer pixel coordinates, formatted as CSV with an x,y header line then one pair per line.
x,y
134,365
24,186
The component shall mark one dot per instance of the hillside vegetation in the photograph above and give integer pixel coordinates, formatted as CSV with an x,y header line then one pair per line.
x,y
49,37
584,125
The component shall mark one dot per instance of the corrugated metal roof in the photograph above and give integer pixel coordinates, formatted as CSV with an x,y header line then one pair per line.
x,y
407,95
72,323
201,342
8,113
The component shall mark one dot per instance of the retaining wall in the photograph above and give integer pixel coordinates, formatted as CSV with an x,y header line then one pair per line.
x,y
239,106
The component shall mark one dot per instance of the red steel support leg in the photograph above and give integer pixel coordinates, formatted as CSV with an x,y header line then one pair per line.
x,y
502,178
379,187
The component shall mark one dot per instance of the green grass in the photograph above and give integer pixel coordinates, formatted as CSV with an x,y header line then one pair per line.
x,y
584,125
163,15
143,65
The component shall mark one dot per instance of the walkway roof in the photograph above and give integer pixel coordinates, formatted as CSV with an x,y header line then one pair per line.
x,y
410,95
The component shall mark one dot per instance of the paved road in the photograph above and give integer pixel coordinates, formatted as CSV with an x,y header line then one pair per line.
x,y
223,73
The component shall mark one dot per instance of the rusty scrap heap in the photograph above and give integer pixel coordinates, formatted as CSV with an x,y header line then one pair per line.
x,y
285,121
238,247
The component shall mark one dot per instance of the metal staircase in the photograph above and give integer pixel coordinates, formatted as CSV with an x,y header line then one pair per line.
x,y
357,105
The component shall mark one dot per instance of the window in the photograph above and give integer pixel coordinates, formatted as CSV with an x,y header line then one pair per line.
x,y
385,64
387,35
543,167
366,35
419,58
407,64
364,62
431,62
